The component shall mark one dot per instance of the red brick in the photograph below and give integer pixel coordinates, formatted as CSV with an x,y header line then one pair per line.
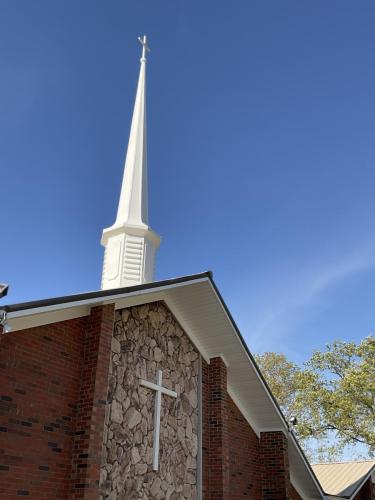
x,y
53,386
40,371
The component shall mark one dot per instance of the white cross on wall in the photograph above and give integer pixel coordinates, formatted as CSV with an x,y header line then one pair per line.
x,y
159,390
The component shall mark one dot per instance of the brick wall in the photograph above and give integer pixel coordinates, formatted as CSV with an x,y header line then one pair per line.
x,y
218,454
236,463
244,461
40,370
91,406
274,456
53,386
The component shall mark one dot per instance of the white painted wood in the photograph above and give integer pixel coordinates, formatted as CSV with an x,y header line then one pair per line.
x,y
159,390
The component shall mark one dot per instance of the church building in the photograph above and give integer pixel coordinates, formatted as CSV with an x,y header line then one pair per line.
x,y
144,389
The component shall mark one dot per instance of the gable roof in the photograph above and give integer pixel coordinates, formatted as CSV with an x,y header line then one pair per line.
x,y
343,479
199,307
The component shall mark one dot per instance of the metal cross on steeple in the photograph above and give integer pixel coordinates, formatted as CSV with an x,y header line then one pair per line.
x,y
145,47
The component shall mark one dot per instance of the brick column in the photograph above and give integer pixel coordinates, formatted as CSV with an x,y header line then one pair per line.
x,y
218,456
91,404
274,456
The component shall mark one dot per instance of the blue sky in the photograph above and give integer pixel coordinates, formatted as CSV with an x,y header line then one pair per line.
x,y
261,153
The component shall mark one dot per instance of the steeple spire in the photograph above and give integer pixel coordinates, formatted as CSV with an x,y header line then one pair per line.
x,y
130,244
133,205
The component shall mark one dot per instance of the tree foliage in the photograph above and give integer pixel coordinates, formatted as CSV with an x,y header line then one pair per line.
x,y
281,375
332,395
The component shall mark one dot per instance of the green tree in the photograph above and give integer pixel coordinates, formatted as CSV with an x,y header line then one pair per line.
x,y
332,395
282,377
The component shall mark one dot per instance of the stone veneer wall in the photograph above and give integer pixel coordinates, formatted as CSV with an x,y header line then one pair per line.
x,y
148,338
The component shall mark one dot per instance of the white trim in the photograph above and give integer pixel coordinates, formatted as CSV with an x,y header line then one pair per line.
x,y
298,489
40,319
249,358
308,467
101,299
295,487
30,318
244,413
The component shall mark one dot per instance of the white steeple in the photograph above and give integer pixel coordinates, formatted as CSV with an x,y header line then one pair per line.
x,y
130,244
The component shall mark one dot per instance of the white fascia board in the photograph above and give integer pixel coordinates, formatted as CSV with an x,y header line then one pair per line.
x,y
294,442
78,308
23,322
244,412
266,390
296,487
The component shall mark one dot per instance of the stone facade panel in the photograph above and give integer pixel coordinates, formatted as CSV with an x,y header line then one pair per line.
x,y
146,339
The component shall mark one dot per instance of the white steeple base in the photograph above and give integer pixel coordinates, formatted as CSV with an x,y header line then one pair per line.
x,y
129,257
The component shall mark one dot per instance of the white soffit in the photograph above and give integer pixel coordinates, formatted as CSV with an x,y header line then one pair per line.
x,y
202,315
300,474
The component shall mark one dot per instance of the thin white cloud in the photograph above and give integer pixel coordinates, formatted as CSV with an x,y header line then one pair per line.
x,y
297,294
